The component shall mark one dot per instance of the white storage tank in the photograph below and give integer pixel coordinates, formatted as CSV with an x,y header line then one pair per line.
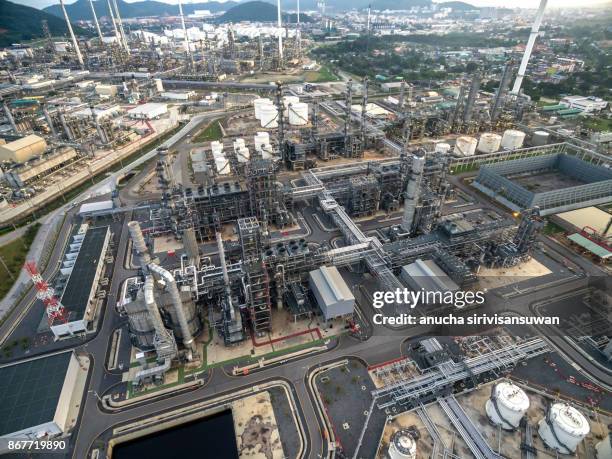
x,y
261,138
466,146
442,147
298,114
403,445
238,143
268,116
507,405
540,138
489,143
243,155
290,100
563,428
258,103
512,139
222,165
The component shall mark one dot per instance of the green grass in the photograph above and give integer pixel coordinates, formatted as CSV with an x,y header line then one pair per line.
x,y
209,133
13,256
320,76
598,124
552,228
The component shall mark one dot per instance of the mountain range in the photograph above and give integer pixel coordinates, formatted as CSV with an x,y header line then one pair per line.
x,y
19,23
259,11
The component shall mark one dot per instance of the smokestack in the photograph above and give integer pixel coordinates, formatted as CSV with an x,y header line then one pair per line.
x,y
112,16
49,120
280,33
186,37
139,243
535,28
9,115
121,31
177,304
74,40
299,32
95,18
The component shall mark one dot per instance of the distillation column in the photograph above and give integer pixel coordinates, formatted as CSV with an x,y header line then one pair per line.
x,y
412,192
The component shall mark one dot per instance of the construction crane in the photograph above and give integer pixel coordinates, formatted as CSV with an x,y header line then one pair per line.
x,y
44,292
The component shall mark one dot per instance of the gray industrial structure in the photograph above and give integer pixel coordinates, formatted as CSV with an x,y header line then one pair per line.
x,y
589,184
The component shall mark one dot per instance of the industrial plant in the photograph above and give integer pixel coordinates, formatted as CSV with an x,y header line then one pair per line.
x,y
250,225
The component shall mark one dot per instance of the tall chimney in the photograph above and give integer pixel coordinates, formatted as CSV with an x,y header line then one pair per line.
x,y
112,16
280,33
95,18
74,40
535,28
121,31
186,37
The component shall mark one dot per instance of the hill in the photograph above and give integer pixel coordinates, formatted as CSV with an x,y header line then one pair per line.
x,y
258,11
458,6
80,10
398,4
21,23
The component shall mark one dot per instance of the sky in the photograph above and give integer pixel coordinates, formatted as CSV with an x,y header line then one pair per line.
x,y
508,3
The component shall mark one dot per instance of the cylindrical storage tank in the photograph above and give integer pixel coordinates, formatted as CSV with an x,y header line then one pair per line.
x,y
466,146
239,143
243,155
563,428
258,103
442,147
268,116
289,100
222,165
489,143
403,445
261,139
298,114
540,138
512,139
507,405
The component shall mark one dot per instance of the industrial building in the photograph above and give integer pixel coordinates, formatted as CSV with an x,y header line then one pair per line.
x,y
81,271
427,276
23,149
333,296
41,396
148,111
576,183
22,174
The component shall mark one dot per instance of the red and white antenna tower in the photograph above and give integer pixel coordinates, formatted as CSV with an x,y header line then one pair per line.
x,y
44,292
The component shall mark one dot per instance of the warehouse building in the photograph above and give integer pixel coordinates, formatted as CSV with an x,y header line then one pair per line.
x,y
331,292
576,220
83,265
148,111
41,396
23,174
427,276
21,150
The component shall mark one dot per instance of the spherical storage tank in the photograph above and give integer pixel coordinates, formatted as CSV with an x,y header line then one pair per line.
x,y
507,405
298,114
489,143
563,428
465,145
258,103
403,445
512,139
540,138
268,115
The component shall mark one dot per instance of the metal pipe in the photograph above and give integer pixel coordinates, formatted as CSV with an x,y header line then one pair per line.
x,y
95,18
175,297
535,28
152,308
74,40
